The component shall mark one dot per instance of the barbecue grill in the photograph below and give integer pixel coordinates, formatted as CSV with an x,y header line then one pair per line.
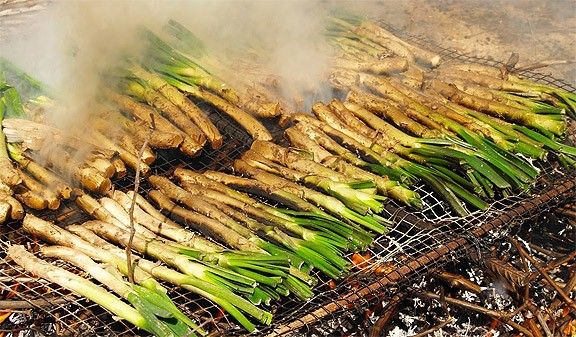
x,y
418,243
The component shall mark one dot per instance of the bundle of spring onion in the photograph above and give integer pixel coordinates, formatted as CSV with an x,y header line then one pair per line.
x,y
246,219
149,307
470,139
171,79
200,266
272,250
20,184
183,56
467,131
49,160
262,276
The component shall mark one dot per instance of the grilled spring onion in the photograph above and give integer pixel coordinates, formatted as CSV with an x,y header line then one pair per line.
x,y
187,76
156,82
357,194
10,106
302,213
214,253
482,149
8,174
392,163
365,29
439,112
178,58
249,123
316,249
10,208
513,85
122,216
544,123
181,259
145,113
43,175
166,108
505,172
331,204
235,225
391,188
322,226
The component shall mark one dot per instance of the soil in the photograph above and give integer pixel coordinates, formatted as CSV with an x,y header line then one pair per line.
x,y
536,30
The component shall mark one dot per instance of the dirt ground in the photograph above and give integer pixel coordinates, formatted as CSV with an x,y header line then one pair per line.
x,y
535,29
539,30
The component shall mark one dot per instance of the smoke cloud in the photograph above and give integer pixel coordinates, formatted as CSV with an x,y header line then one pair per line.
x,y
70,44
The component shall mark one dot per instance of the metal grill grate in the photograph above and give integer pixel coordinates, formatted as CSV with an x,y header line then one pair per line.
x,y
418,242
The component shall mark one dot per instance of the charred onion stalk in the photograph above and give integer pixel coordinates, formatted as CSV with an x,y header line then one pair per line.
x,y
438,118
518,172
228,275
40,173
245,263
331,204
483,89
87,176
10,208
42,189
183,56
304,137
199,118
42,140
8,174
89,161
193,138
484,116
309,222
262,218
151,310
160,224
535,97
358,195
10,106
140,130
128,155
167,109
182,73
393,163
231,303
269,271
150,303
547,123
367,34
239,230
250,124
461,136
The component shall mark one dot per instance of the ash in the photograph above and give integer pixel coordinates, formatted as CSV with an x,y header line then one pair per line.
x,y
494,278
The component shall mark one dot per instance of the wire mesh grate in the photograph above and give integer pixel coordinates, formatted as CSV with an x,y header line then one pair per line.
x,y
417,243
